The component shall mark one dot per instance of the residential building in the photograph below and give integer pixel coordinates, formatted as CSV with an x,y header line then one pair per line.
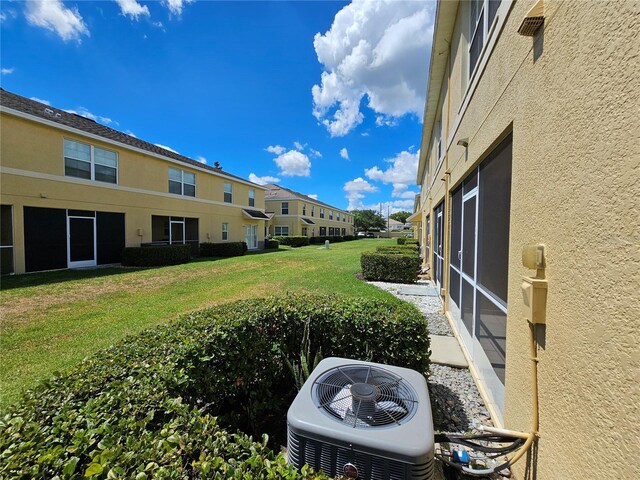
x,y
394,225
529,211
295,214
74,193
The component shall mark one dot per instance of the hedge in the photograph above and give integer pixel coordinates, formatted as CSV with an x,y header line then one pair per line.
x,y
293,241
412,241
321,239
389,267
226,249
156,256
271,243
408,249
401,240
146,407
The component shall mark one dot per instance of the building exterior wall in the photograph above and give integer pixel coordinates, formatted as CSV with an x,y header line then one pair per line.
x,y
33,174
569,99
294,219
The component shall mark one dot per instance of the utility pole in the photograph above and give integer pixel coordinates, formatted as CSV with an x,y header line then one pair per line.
x,y
388,209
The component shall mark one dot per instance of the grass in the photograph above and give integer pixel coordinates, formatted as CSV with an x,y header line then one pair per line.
x,y
51,321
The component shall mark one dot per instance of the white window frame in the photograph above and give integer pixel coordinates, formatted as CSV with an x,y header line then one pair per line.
x,y
225,231
313,210
252,197
281,234
284,210
304,209
230,192
321,212
92,162
183,182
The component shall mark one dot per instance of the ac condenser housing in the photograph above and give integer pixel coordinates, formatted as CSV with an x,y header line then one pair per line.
x,y
363,420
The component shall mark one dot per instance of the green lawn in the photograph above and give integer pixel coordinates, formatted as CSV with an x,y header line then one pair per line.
x,y
51,321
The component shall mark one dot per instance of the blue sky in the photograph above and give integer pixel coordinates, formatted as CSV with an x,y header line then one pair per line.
x,y
326,97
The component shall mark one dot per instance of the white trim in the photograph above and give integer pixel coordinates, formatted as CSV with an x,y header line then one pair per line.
x,y
82,263
91,183
93,136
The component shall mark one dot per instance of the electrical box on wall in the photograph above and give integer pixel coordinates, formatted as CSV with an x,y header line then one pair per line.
x,y
534,297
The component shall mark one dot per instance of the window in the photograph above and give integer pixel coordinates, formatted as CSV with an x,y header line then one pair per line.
x,y
285,208
304,231
313,210
182,182
252,197
330,214
481,16
82,160
344,217
323,231
175,230
439,139
322,213
225,231
281,231
304,209
228,192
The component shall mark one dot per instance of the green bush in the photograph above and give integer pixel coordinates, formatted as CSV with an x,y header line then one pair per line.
x,y
226,249
411,241
271,243
349,238
390,267
293,241
146,407
408,249
156,256
401,240
323,238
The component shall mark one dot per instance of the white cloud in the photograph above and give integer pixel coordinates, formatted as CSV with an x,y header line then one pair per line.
x,y
378,50
386,121
176,6
299,146
391,207
83,112
46,102
133,9
7,14
365,134
166,148
344,154
54,16
201,159
403,170
277,149
315,153
293,164
7,71
131,134
356,190
313,195
262,180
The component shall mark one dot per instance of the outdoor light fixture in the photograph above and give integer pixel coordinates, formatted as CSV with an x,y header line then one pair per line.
x,y
463,142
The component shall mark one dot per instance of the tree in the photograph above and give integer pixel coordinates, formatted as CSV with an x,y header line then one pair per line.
x,y
400,216
368,220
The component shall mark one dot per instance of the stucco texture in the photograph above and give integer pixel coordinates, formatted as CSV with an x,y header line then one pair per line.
x,y
570,97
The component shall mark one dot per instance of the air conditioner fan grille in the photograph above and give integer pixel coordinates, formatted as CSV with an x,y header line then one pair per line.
x,y
363,396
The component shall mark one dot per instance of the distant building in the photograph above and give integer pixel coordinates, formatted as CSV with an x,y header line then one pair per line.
x,y
295,214
393,225
74,193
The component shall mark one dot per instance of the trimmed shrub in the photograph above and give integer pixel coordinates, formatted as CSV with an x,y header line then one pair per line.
x,y
349,238
271,243
293,241
321,239
401,240
408,249
411,241
146,407
386,267
156,256
227,249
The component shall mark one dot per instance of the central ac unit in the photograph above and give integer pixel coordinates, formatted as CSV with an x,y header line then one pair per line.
x,y
363,420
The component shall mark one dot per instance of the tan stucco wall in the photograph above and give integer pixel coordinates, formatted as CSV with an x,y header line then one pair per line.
x,y
294,222
31,157
571,101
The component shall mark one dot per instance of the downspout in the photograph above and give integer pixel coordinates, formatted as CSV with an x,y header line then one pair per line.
x,y
447,200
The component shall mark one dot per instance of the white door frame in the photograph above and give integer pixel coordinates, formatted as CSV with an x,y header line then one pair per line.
x,y
82,263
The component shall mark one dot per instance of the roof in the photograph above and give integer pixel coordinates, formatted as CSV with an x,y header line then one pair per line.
x,y
31,107
276,192
255,214
307,221
440,49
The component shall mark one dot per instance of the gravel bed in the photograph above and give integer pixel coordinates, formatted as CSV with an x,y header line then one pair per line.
x,y
430,307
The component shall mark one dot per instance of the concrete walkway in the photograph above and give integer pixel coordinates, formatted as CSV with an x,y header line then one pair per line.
x,y
446,351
